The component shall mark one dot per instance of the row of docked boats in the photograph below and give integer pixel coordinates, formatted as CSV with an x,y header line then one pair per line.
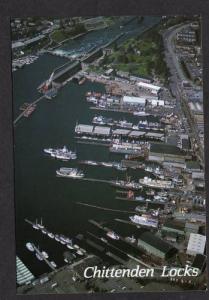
x,y
40,255
118,166
142,124
62,239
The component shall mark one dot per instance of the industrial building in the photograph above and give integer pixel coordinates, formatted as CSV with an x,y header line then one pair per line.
x,y
153,89
196,244
143,101
199,262
176,228
156,102
192,217
156,246
167,155
134,100
92,130
191,228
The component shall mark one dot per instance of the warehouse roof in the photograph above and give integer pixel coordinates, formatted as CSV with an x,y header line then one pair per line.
x,y
137,133
196,244
102,130
199,261
192,226
84,128
148,86
121,131
138,100
166,149
155,242
154,134
174,225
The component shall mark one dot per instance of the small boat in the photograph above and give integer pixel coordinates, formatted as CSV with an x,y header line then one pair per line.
x,y
45,254
113,235
51,235
79,252
41,226
53,264
70,246
57,238
76,246
39,256
35,226
30,247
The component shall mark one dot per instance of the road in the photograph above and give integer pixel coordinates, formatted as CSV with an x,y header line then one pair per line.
x,y
177,76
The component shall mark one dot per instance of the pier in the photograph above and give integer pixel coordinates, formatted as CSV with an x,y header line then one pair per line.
x,y
105,208
27,108
44,258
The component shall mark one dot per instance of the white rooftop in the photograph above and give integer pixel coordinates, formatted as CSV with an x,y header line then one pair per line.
x,y
84,128
121,131
196,244
102,130
137,100
136,133
148,86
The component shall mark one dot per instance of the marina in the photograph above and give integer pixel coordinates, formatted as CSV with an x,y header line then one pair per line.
x,y
137,197
42,256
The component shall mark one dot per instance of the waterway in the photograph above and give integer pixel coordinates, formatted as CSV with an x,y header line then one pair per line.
x,y
38,192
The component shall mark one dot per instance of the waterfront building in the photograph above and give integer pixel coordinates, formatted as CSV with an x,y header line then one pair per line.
x,y
155,102
154,89
156,246
199,262
192,217
141,78
191,228
134,100
174,227
196,244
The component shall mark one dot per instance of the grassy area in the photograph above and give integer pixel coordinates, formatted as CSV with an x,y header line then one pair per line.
x,y
59,35
141,56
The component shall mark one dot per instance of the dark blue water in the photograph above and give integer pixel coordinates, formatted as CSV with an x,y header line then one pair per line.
x,y
38,192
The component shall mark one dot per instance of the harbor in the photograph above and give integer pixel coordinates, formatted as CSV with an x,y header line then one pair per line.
x,y
106,161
